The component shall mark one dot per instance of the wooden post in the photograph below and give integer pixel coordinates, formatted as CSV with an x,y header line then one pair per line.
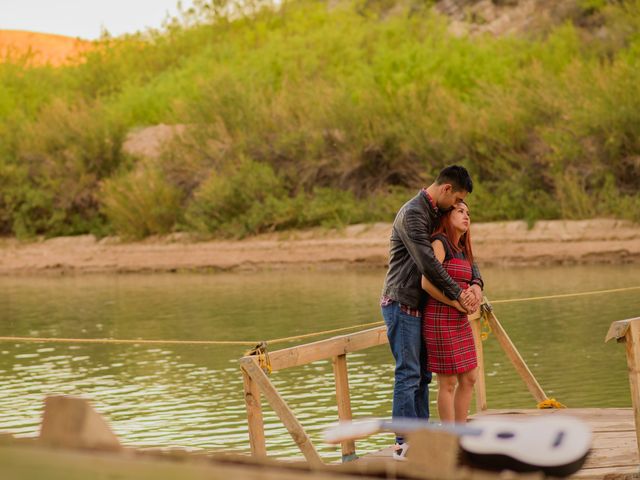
x,y
254,416
628,331
481,386
72,422
343,399
283,411
514,356
434,455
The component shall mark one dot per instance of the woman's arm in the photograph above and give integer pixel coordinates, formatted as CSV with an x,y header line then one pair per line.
x,y
430,288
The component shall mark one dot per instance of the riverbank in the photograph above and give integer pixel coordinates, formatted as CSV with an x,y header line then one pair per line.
x,y
357,246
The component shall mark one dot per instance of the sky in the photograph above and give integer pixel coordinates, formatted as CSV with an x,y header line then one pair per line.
x,y
85,18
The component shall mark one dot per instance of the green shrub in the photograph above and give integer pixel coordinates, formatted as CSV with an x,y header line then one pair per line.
x,y
343,112
141,203
243,199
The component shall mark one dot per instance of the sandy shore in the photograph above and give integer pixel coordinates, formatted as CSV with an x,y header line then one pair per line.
x,y
503,243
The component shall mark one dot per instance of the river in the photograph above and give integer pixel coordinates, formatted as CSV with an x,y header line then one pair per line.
x,y
191,395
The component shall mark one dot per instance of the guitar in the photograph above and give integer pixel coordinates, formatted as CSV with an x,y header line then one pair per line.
x,y
557,445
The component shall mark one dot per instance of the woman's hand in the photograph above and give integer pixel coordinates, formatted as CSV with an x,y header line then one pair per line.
x,y
470,299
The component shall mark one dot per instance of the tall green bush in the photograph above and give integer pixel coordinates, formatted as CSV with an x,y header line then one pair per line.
x,y
141,203
303,115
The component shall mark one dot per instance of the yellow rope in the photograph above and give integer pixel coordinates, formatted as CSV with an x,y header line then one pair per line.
x,y
325,332
485,327
550,403
126,341
264,362
131,341
278,340
566,295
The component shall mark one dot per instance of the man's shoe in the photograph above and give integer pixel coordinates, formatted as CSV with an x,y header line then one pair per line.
x,y
400,451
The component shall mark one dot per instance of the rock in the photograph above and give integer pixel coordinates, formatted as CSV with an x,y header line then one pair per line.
x,y
148,142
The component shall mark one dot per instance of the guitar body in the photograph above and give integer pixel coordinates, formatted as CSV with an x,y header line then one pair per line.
x,y
556,444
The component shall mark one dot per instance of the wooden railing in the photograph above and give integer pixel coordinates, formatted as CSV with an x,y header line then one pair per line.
x,y
628,332
257,382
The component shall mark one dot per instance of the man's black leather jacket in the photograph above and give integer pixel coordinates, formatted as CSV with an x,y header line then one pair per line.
x,y
411,256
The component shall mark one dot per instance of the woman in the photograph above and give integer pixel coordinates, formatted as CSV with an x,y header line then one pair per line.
x,y
446,330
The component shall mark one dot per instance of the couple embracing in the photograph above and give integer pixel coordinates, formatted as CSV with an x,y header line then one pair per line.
x,y
431,286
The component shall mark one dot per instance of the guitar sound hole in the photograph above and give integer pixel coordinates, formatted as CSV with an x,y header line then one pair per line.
x,y
505,435
558,440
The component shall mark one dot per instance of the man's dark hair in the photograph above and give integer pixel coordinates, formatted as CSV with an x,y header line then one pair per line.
x,y
457,176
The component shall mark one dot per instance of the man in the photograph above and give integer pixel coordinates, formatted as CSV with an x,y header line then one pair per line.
x,y
411,256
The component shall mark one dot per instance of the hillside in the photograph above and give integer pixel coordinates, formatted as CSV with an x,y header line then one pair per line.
x,y
327,114
41,48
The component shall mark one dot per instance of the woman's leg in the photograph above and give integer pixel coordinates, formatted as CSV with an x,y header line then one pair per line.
x,y
462,398
446,389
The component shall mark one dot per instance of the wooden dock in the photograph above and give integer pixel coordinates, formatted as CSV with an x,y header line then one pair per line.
x,y
87,451
616,431
75,442
614,454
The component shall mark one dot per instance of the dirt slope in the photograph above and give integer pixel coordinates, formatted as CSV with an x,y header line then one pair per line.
x,y
42,48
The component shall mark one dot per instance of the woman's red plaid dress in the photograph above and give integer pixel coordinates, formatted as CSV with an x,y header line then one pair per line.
x,y
446,331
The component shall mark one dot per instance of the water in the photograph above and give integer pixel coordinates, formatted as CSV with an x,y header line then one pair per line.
x,y
192,395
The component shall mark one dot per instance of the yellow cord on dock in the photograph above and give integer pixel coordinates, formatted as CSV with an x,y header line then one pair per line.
x,y
282,339
550,403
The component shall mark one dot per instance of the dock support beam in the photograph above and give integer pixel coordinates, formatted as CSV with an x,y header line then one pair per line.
x,y
512,354
293,426
481,385
254,416
343,399
628,332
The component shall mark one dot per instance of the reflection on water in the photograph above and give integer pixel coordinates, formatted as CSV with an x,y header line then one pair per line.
x,y
192,395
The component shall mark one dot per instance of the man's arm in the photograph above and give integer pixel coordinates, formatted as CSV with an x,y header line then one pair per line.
x,y
430,288
472,297
476,278
416,236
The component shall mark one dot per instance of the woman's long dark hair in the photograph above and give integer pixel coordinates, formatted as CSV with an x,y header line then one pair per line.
x,y
445,227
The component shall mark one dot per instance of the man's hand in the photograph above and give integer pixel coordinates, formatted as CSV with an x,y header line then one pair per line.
x,y
459,307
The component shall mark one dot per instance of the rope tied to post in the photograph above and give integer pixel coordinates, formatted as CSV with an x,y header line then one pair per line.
x,y
261,352
485,326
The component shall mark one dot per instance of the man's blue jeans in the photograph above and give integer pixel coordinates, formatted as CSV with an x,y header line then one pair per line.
x,y
411,387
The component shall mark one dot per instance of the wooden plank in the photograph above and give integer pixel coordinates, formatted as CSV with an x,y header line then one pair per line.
x,y
633,363
600,420
595,414
325,349
611,457
481,385
626,440
514,357
72,422
28,463
254,416
434,452
618,330
343,399
250,366
610,473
